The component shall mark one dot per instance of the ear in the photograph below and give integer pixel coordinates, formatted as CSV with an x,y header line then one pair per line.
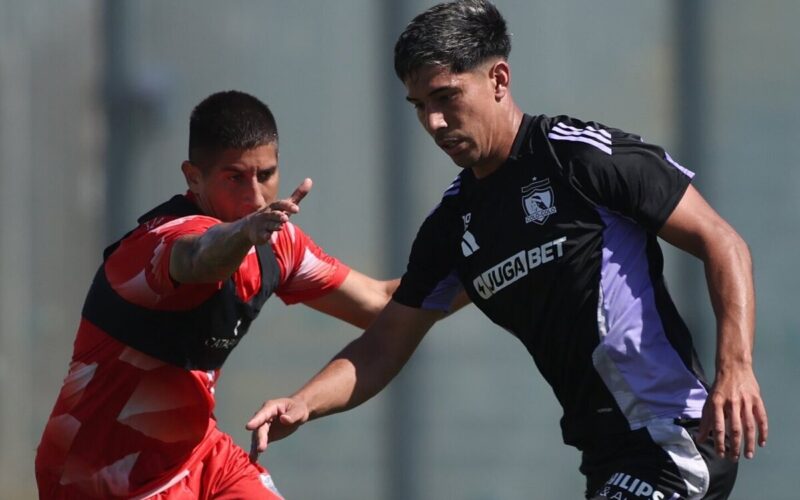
x,y
193,175
501,79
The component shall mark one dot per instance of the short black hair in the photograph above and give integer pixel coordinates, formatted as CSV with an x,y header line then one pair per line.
x,y
458,35
229,120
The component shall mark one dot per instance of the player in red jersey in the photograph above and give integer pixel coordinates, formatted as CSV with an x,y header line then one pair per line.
x,y
171,300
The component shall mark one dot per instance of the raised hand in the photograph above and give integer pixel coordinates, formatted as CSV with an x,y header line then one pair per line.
x,y
259,225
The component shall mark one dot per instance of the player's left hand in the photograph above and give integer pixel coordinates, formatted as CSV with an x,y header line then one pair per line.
x,y
275,420
734,408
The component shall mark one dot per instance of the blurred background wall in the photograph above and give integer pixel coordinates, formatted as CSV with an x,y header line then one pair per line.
x,y
94,105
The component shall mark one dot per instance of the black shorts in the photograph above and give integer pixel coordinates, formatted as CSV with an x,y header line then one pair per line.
x,y
658,462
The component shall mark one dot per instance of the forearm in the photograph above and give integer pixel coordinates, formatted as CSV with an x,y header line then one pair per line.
x,y
366,365
355,375
730,283
213,256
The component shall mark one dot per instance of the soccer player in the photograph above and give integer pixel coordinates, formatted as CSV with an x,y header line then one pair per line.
x,y
552,229
171,300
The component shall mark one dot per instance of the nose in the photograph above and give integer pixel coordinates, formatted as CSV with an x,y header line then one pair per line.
x,y
254,195
434,121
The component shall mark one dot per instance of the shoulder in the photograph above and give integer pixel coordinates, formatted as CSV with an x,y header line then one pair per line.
x,y
294,248
572,137
452,196
189,224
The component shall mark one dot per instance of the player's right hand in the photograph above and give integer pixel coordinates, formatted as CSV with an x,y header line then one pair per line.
x,y
276,419
260,225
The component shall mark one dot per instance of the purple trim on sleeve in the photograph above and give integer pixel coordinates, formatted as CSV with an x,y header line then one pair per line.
x,y
688,173
443,294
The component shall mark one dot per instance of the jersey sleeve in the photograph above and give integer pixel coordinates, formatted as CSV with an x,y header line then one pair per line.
x,y
139,268
618,171
430,281
307,272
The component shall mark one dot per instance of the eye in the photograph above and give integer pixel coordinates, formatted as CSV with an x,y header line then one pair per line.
x,y
447,97
265,175
235,177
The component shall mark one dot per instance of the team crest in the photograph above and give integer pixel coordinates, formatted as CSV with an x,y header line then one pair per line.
x,y
538,201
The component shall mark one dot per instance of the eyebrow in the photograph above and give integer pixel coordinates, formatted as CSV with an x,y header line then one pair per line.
x,y
437,90
238,168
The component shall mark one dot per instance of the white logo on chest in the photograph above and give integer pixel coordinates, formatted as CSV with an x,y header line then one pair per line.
x,y
538,201
517,267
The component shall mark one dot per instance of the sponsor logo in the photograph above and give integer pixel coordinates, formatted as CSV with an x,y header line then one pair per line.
x,y
517,267
468,243
225,342
621,486
221,343
538,201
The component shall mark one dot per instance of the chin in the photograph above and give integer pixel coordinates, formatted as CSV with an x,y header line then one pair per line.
x,y
465,161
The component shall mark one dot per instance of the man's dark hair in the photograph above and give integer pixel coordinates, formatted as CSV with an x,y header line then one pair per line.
x,y
229,120
458,35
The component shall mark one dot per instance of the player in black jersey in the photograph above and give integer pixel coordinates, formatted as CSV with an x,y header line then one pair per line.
x,y
551,230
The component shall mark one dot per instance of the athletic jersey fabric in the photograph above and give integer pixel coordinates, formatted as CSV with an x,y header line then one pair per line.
x,y
558,246
126,421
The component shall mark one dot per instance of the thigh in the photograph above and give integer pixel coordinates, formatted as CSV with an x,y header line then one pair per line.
x,y
226,473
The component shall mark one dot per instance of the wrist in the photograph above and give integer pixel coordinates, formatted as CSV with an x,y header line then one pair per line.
x,y
731,364
303,399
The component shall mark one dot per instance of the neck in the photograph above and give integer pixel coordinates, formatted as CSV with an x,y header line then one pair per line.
x,y
507,127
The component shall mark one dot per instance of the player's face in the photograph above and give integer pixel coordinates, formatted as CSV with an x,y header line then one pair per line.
x,y
459,111
237,183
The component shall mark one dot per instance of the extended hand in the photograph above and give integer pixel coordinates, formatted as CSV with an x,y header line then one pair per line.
x,y
735,408
260,224
275,420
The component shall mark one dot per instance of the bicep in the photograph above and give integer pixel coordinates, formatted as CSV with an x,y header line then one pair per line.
x,y
695,227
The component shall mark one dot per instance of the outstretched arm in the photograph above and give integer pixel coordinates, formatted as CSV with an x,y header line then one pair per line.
x,y
358,372
358,300
216,254
734,405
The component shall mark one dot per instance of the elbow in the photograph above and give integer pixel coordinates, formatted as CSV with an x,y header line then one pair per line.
x,y
371,314
734,242
725,244
389,288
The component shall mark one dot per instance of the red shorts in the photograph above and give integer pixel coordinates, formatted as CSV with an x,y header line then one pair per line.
x,y
225,473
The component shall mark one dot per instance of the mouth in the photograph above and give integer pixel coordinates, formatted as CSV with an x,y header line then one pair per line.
x,y
451,145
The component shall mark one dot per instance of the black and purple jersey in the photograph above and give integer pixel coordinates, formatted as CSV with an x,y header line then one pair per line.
x,y
558,246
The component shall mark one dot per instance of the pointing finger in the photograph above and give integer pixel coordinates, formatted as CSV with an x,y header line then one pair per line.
x,y
301,191
263,416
